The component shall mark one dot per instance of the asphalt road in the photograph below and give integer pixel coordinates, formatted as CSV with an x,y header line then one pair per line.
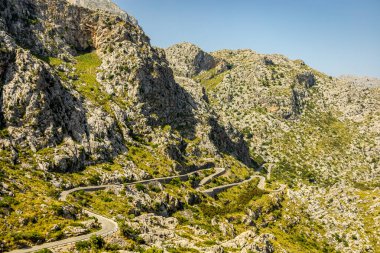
x,y
261,186
206,180
64,194
109,226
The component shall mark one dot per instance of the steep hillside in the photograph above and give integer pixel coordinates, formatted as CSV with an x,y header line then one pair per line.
x,y
318,134
186,151
95,88
84,93
278,103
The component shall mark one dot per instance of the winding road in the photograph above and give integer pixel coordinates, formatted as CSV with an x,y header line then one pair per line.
x,y
64,194
109,226
261,185
206,180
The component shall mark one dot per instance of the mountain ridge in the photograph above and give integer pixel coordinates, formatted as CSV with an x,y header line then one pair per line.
x,y
105,5
85,100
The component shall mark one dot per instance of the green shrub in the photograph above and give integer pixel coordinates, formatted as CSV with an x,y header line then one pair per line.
x,y
176,182
58,235
53,193
31,236
107,199
140,240
209,242
33,21
7,201
112,247
82,245
181,250
128,232
140,187
97,242
154,188
194,180
58,210
107,168
154,250
94,180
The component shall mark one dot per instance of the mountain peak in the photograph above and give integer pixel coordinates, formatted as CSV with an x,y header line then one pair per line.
x,y
361,80
187,59
105,5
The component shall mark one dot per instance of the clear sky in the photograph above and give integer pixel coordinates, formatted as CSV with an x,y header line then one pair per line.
x,y
334,36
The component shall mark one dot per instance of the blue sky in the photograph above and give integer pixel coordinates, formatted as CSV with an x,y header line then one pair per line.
x,y
334,36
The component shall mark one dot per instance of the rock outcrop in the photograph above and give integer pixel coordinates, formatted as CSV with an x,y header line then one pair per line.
x,y
104,5
189,60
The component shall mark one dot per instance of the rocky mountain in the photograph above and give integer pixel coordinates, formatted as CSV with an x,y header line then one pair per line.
x,y
87,119
86,100
188,60
104,5
363,81
317,133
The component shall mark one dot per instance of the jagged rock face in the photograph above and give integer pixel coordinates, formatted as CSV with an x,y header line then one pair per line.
x,y
6,55
213,135
40,112
41,109
37,106
300,92
189,60
105,5
30,24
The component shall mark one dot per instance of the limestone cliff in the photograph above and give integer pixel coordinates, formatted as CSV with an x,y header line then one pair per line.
x,y
189,60
104,5
87,119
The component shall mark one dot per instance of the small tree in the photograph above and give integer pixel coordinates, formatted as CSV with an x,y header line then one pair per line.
x,y
140,187
97,242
